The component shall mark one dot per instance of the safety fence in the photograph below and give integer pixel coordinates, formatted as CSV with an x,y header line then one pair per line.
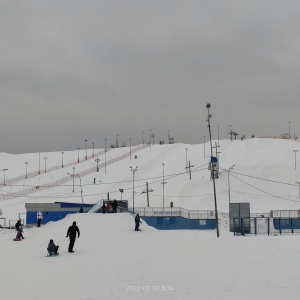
x,y
36,173
174,212
68,178
265,226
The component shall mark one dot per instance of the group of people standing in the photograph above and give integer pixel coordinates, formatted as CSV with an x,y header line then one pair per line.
x,y
106,208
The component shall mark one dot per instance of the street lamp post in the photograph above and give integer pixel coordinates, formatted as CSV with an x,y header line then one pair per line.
x,y
45,164
85,150
78,154
93,149
26,163
229,182
121,191
150,138
289,129
130,148
4,170
295,158
299,188
186,158
117,143
133,172
218,137
62,159
213,171
73,177
97,161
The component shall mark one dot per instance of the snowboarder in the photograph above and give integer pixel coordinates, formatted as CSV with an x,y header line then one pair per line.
x,y
52,248
137,221
114,206
39,217
72,233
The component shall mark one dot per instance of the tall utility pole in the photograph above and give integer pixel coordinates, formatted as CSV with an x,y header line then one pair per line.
x,y
229,182
218,137
289,129
189,169
150,138
93,149
133,172
295,158
117,143
213,177
230,133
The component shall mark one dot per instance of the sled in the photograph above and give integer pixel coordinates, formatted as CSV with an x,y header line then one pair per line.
x,y
17,239
52,254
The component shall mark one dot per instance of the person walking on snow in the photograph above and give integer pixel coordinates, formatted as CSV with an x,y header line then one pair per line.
x,y
39,217
137,221
72,233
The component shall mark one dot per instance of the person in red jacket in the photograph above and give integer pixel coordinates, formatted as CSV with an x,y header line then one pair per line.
x,y
72,233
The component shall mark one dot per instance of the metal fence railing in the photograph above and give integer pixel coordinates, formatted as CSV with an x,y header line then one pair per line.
x,y
66,179
174,212
265,226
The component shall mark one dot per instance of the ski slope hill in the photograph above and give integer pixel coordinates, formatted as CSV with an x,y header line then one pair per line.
x,y
112,261
264,174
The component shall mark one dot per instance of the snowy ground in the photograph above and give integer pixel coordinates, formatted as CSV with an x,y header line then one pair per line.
x,y
112,261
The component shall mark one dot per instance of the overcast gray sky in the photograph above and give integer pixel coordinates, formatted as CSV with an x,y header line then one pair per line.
x,y
75,70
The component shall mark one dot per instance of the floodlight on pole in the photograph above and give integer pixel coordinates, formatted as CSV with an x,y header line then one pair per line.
x,y
229,182
295,158
97,161
133,173
45,164
299,188
78,154
4,170
26,163
186,158
62,159
213,171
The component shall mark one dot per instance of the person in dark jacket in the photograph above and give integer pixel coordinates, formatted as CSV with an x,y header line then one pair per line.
x,y
18,225
114,206
52,248
103,208
137,221
72,233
